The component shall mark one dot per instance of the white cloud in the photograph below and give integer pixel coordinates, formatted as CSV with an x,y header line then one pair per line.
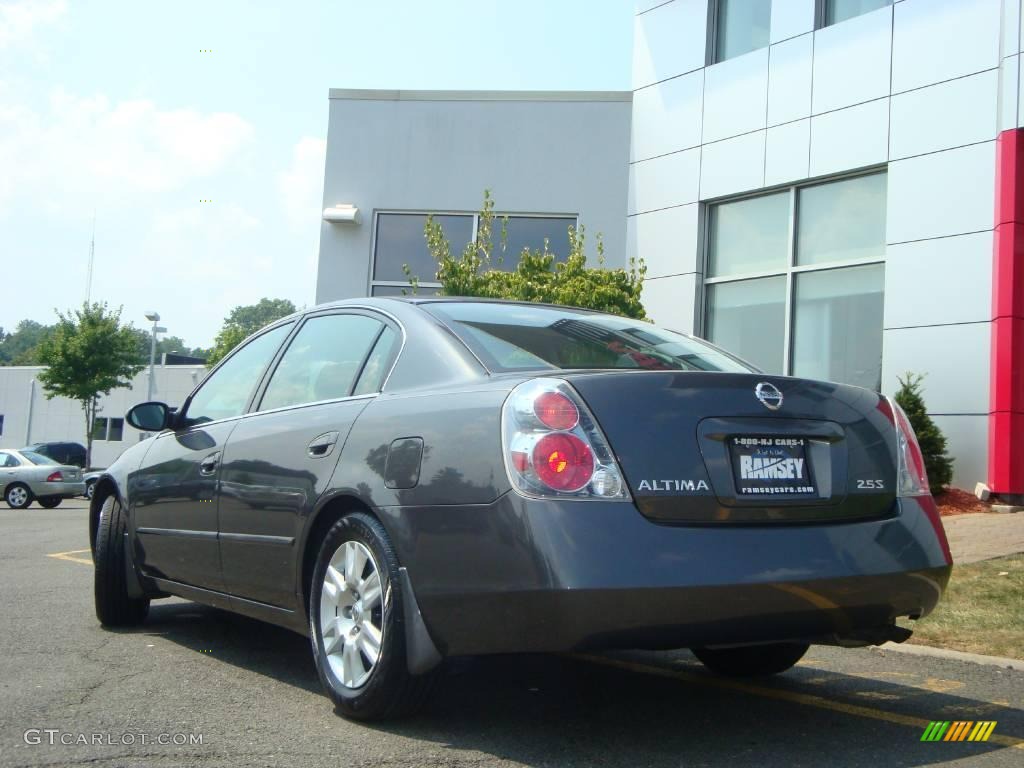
x,y
88,150
18,20
302,184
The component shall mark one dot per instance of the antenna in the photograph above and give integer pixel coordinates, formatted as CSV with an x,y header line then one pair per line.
x,y
92,256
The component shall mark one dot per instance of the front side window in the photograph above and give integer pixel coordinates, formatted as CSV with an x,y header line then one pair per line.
x,y
841,10
323,361
816,311
399,239
226,392
741,26
522,337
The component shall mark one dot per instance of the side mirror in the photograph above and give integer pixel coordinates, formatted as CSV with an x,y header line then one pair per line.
x,y
149,417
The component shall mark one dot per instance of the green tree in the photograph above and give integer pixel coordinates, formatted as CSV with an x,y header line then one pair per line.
x,y
937,463
537,275
21,346
88,354
245,320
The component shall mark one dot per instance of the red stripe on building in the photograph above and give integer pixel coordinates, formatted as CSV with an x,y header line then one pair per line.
x,y
1006,406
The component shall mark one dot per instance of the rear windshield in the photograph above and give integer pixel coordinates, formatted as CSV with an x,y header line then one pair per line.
x,y
38,458
518,337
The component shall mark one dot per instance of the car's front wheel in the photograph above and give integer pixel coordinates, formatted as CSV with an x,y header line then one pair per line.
x,y
114,606
18,496
49,502
751,660
355,617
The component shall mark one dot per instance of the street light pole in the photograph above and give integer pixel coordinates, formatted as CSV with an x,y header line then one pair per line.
x,y
153,317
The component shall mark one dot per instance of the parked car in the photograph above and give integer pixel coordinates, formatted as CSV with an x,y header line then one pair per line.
x,y
405,480
90,478
27,476
62,453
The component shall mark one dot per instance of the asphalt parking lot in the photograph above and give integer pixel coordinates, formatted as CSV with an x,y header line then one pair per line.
x,y
250,692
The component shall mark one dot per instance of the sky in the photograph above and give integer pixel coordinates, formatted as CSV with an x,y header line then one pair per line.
x,y
137,112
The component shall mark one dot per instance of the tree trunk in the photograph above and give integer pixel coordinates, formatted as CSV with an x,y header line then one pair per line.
x,y
90,416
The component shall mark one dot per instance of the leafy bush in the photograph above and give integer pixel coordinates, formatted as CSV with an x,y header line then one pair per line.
x,y
937,462
537,276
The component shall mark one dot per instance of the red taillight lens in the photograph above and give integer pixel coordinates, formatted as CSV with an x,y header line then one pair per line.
x,y
563,462
555,410
55,477
912,477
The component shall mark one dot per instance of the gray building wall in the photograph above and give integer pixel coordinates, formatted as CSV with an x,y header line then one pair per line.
x,y
538,152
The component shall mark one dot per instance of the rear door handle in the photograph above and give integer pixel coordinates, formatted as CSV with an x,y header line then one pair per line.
x,y
209,465
322,445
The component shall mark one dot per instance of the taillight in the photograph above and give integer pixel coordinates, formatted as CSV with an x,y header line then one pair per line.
x,y
911,477
55,477
553,446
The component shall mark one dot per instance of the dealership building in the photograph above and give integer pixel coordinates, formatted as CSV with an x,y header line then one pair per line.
x,y
829,188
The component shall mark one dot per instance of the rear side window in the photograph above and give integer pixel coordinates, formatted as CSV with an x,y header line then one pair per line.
x,y
38,458
7,460
377,364
518,337
323,360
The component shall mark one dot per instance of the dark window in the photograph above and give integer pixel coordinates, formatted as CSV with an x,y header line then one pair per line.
x,y
377,364
403,290
116,429
400,240
322,361
741,26
99,428
1,424
517,233
841,10
226,392
522,337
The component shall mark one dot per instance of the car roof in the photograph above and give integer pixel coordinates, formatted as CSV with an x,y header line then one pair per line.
x,y
383,302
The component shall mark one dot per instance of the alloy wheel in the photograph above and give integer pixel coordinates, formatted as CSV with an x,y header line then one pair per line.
x,y
351,614
17,497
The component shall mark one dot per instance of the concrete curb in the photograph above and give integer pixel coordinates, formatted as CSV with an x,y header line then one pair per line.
x,y
943,653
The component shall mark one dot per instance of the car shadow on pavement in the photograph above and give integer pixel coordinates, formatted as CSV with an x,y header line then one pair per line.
x,y
562,710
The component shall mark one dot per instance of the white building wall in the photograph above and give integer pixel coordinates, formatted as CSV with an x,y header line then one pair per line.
x,y
922,87
61,419
538,152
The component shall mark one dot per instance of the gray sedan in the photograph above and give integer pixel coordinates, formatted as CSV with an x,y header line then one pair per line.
x,y
27,476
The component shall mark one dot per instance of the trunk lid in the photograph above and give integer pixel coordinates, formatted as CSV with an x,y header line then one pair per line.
x,y
699,447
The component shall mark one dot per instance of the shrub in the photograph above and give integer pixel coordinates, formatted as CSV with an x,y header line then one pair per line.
x,y
537,276
937,462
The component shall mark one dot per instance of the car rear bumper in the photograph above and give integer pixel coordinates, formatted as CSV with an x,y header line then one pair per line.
x,y
63,490
524,575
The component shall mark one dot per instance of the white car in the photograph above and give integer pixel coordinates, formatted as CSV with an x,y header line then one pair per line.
x,y
27,476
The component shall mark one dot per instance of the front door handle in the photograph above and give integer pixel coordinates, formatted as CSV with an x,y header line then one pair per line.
x,y
322,445
208,466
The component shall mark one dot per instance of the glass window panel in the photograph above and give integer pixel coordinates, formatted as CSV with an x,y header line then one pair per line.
x,y
841,10
837,332
400,241
529,232
742,26
322,361
116,429
226,393
396,290
841,221
750,235
377,363
748,318
99,428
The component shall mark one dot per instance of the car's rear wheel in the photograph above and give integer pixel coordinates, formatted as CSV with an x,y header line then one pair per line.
x,y
355,617
114,606
751,660
18,496
89,488
49,501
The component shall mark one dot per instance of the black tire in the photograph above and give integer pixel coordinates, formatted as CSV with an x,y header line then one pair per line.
x,y
390,691
114,607
49,502
751,660
89,489
18,496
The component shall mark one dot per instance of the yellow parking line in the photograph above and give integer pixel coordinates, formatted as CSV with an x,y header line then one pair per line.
x,y
70,556
794,697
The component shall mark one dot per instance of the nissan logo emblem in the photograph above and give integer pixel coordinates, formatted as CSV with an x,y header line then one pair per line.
x,y
769,395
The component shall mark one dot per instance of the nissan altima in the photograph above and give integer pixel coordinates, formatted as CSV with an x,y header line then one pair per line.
x,y
409,480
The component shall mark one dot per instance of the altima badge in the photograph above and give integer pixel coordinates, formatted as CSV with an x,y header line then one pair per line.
x,y
769,395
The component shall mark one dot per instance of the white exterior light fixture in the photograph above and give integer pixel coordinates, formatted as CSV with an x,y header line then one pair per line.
x,y
343,213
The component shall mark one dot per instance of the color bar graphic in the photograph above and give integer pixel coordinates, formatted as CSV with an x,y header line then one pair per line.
x,y
958,730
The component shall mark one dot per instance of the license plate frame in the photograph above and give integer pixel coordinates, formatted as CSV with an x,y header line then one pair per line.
x,y
769,466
